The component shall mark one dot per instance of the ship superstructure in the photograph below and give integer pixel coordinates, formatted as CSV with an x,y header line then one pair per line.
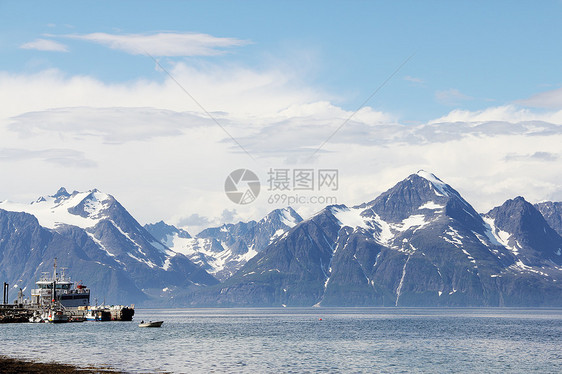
x,y
58,288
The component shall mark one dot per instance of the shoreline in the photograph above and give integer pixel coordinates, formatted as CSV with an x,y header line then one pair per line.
x,y
13,365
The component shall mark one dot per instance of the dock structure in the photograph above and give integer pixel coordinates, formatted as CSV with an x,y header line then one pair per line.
x,y
14,313
57,300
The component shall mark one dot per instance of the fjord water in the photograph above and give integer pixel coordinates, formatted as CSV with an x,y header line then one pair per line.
x,y
294,340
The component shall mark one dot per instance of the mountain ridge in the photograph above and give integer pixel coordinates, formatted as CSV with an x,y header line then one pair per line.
x,y
420,243
417,244
223,250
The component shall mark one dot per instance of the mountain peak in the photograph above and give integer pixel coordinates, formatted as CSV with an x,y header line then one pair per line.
x,y
426,193
286,216
62,192
164,233
438,184
523,224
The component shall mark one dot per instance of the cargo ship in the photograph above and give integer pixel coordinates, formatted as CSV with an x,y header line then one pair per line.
x,y
59,289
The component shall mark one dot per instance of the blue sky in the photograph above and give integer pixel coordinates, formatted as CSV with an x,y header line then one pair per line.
x,y
79,91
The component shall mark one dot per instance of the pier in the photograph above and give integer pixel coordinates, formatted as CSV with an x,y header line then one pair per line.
x,y
14,314
56,300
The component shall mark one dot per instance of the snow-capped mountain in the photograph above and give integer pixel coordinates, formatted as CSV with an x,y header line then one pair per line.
x,y
81,209
223,250
94,229
552,213
419,243
521,228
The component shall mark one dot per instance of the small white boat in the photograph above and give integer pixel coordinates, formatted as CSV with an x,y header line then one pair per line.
x,y
57,316
151,324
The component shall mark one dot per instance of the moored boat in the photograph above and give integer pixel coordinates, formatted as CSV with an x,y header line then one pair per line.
x,y
57,316
98,314
151,324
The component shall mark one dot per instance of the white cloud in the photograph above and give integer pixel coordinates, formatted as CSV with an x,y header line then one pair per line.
x,y
413,79
549,99
537,156
507,113
110,125
62,157
45,45
240,92
451,97
149,145
162,44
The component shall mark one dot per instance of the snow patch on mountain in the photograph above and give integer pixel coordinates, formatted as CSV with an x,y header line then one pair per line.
x,y
415,220
277,234
500,237
168,262
384,235
142,260
453,237
495,235
289,219
190,246
350,217
521,267
54,211
245,257
431,205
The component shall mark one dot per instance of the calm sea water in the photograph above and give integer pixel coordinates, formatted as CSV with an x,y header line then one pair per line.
x,y
350,340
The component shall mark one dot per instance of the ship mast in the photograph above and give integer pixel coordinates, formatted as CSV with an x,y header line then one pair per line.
x,y
54,282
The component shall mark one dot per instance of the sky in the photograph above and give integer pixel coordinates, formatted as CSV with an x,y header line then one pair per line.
x,y
157,103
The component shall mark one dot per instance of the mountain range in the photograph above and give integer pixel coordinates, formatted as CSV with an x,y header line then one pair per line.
x,y
418,244
223,250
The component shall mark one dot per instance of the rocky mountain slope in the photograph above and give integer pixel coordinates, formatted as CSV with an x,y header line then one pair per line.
x,y
552,213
